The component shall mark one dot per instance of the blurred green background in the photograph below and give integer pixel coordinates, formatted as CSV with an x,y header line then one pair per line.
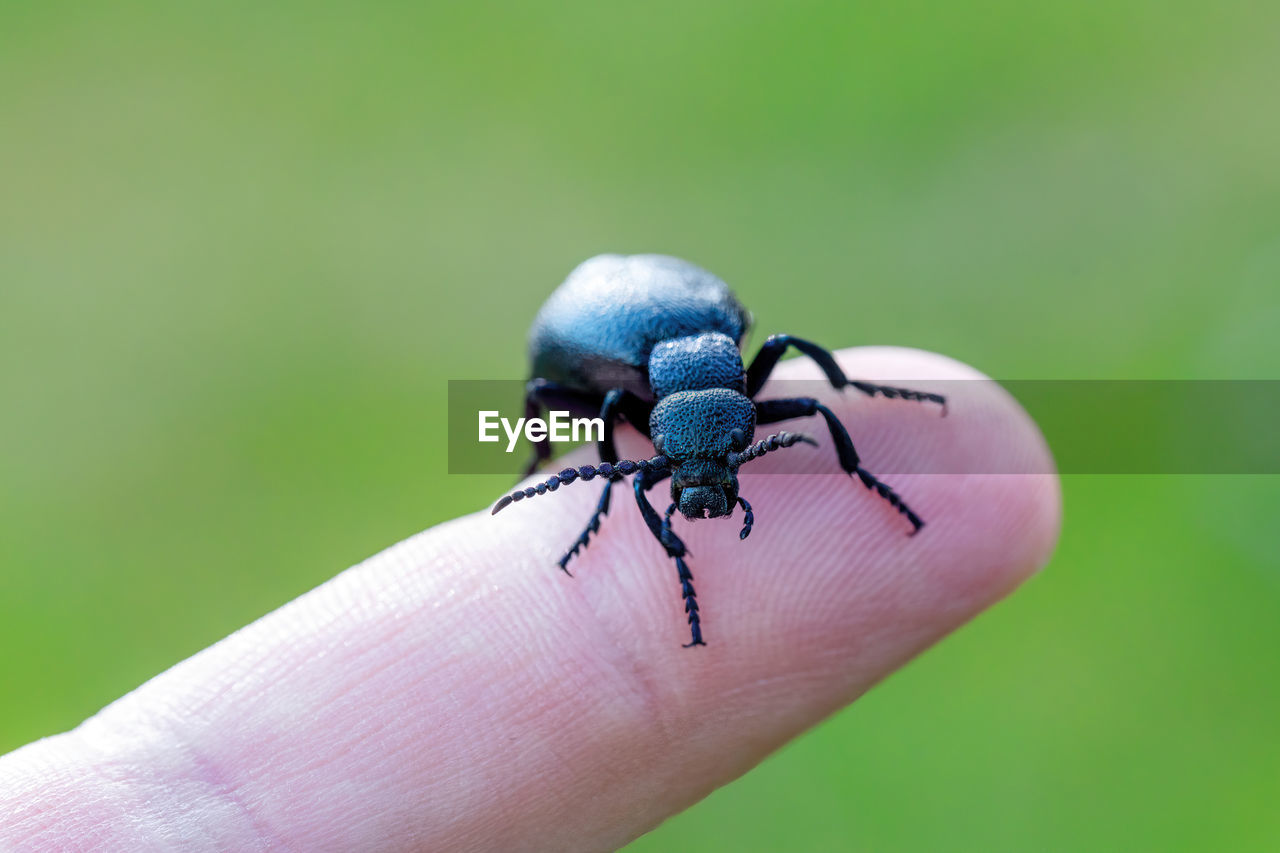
x,y
243,246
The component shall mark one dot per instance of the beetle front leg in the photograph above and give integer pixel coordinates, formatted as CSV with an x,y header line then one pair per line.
x,y
617,403
661,529
772,411
593,526
767,359
620,403
542,394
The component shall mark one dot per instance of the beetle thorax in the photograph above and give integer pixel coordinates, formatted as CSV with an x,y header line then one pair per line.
x,y
695,363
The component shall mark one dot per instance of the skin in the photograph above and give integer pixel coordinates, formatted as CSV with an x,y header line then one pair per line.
x,y
457,692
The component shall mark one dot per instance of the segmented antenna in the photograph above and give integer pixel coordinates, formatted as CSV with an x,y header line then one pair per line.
x,y
586,472
764,445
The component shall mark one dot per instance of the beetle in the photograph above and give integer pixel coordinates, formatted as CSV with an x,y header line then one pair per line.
x,y
656,341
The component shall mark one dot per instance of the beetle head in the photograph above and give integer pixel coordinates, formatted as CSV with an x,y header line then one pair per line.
x,y
700,432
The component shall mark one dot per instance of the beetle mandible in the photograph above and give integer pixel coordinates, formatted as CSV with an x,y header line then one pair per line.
x,y
657,341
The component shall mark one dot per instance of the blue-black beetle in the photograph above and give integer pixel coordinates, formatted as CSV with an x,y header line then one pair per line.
x,y
657,341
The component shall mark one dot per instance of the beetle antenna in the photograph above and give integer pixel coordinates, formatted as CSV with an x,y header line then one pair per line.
x,y
764,445
586,472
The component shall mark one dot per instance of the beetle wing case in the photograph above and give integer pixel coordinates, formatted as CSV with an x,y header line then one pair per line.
x,y
598,329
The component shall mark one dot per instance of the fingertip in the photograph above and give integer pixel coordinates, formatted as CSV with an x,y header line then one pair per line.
x,y
453,689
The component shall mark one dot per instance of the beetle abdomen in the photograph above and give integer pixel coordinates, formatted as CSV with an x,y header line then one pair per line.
x,y
597,329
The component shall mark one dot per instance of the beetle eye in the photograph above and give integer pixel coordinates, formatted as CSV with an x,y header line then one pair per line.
x,y
737,438
658,441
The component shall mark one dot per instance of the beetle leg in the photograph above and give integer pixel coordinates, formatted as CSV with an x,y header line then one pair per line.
x,y
764,362
643,482
624,404
748,518
772,411
542,394
593,526
617,403
661,529
690,604
666,516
